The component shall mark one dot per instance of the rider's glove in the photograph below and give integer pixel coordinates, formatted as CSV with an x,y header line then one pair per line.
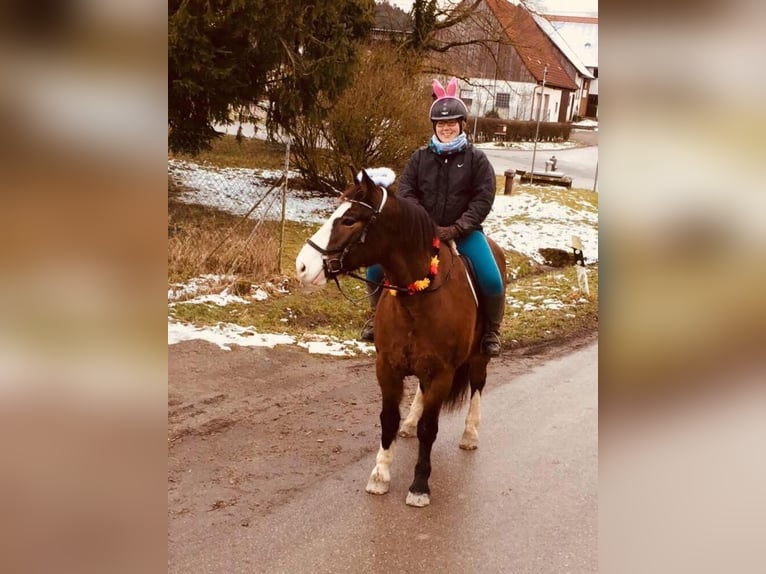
x,y
447,233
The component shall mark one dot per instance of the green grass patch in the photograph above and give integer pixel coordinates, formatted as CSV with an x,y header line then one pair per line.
x,y
575,198
519,265
320,311
547,306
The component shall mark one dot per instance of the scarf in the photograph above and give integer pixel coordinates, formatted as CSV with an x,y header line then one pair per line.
x,y
456,145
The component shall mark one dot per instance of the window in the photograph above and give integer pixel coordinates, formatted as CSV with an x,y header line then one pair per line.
x,y
467,97
502,100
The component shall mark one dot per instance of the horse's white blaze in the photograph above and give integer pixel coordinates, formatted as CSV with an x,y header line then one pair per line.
x,y
380,478
470,438
410,424
309,265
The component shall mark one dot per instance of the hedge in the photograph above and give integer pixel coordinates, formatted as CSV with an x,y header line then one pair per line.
x,y
496,129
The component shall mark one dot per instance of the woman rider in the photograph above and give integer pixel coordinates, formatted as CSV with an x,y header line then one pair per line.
x,y
455,183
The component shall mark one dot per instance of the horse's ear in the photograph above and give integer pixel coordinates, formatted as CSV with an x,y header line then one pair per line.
x,y
366,181
452,87
438,89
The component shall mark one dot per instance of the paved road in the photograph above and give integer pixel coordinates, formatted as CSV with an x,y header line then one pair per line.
x,y
579,163
526,501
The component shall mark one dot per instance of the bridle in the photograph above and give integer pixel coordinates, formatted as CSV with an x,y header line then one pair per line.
x,y
333,265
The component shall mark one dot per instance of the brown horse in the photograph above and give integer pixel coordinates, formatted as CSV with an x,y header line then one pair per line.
x,y
426,324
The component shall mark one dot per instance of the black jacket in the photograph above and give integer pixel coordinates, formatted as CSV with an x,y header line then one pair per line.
x,y
455,189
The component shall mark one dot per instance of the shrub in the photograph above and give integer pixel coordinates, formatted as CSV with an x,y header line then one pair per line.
x,y
490,129
378,121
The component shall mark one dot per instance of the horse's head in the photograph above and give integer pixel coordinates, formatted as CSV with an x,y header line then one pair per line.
x,y
340,245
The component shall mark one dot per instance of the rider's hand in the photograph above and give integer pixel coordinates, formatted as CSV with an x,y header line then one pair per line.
x,y
447,233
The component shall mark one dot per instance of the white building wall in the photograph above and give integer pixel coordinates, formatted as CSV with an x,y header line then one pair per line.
x,y
522,98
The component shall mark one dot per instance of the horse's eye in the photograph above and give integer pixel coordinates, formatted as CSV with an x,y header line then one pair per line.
x,y
347,221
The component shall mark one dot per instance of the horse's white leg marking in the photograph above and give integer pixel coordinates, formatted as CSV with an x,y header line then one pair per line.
x,y
410,424
380,478
470,439
309,265
418,500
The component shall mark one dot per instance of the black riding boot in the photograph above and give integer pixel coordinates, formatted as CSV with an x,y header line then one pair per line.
x,y
368,331
494,309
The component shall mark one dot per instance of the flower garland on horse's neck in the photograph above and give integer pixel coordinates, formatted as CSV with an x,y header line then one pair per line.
x,y
420,284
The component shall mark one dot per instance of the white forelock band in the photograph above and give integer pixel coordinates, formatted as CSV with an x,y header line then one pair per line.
x,y
383,176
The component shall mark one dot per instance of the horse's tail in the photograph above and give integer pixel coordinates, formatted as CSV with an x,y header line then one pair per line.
x,y
457,392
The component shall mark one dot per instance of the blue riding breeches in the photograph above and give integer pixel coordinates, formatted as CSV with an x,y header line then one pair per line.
x,y
475,247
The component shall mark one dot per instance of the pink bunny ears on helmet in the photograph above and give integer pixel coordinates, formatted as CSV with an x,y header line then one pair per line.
x,y
447,106
439,90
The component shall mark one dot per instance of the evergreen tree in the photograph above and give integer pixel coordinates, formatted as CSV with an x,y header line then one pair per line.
x,y
230,54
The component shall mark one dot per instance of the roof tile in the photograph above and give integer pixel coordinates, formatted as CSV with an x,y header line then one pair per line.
x,y
531,43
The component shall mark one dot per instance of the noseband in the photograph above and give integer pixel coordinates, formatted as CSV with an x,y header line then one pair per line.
x,y
333,265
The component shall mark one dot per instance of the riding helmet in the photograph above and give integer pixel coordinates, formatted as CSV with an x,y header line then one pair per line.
x,y
448,108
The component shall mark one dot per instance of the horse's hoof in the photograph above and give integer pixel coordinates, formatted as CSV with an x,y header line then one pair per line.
x,y
377,487
407,431
378,484
418,500
469,443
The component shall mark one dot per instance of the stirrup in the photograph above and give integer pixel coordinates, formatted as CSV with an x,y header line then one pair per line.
x,y
491,346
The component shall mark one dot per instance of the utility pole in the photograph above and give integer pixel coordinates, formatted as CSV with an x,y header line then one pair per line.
x,y
537,130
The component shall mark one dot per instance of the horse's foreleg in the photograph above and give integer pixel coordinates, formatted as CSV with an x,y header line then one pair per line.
x,y
470,439
428,426
410,423
380,477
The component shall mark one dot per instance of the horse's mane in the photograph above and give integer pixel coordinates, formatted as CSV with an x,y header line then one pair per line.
x,y
416,228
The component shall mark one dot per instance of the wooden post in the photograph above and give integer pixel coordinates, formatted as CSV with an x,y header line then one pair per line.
x,y
284,206
509,175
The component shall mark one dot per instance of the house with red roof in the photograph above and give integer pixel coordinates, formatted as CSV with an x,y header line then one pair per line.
x,y
512,66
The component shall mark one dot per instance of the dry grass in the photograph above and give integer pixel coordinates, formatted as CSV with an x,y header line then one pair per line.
x,y
203,240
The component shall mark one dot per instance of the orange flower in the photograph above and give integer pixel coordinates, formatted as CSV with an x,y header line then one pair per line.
x,y
434,268
420,284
